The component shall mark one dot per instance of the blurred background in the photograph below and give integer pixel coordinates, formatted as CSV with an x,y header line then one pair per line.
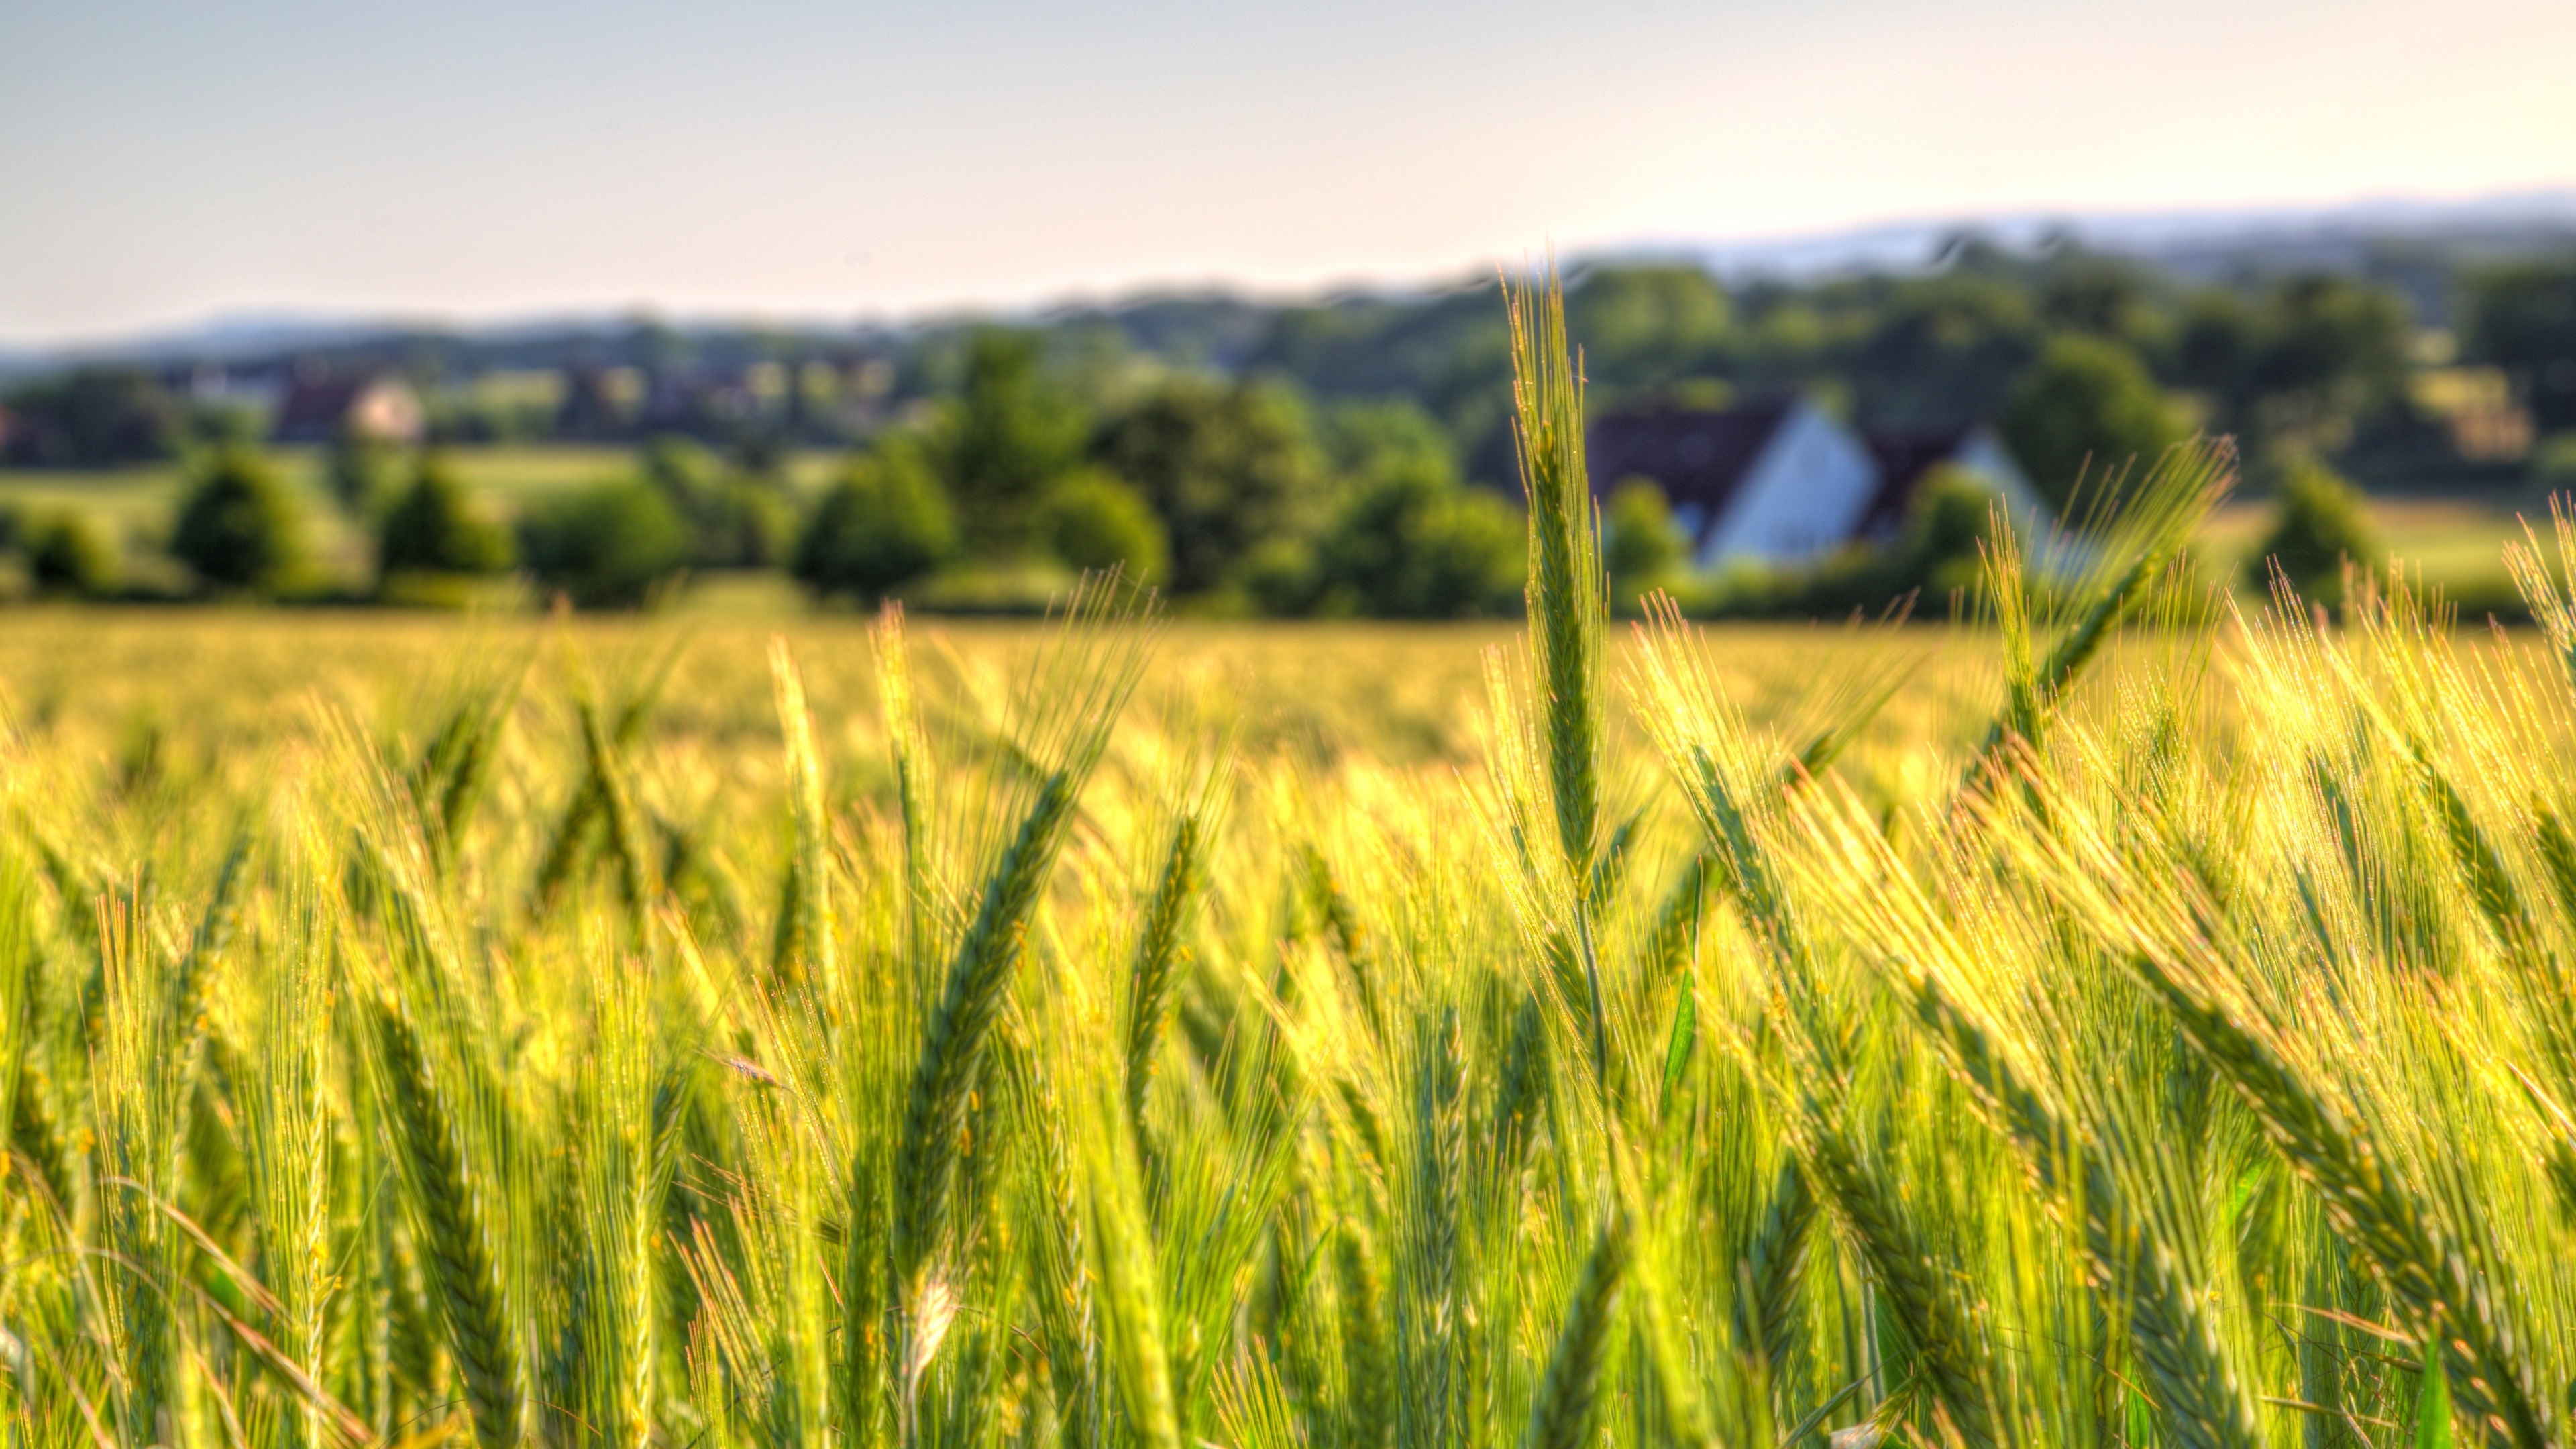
x,y
777,307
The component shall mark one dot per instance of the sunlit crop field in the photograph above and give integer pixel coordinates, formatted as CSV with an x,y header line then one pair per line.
x,y
2078,1029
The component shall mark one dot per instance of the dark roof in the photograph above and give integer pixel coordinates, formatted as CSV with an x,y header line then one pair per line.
x,y
1904,455
1699,458
313,409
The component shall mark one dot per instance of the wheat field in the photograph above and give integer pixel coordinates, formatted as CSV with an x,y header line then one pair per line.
x,y
2090,1026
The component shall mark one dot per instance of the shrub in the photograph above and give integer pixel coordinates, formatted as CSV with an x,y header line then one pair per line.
x,y
2088,406
237,529
67,554
1948,524
1416,544
2553,463
364,472
435,529
883,525
93,417
608,546
1091,521
1643,549
1225,466
2322,523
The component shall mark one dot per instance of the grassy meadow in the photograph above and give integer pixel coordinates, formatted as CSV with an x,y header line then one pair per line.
x,y
2078,1028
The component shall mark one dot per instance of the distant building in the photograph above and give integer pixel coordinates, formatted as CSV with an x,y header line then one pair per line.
x,y
1907,458
1780,480
1783,481
319,410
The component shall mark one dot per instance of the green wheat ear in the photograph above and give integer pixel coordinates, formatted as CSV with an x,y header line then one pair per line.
x,y
1561,1415
450,1218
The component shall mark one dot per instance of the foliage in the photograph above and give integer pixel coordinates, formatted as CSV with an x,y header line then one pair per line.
x,y
68,554
2523,318
1414,543
364,472
2086,412
92,417
883,525
1225,466
237,527
736,518
610,545
1091,521
1643,548
436,528
2321,526
1010,435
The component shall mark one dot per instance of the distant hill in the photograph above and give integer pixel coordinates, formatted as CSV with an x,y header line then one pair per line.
x,y
2416,246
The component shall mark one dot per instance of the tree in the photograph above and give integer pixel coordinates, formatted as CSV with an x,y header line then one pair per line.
x,y
1949,524
2523,319
2087,405
610,545
1414,543
883,524
67,554
1010,436
1092,521
2331,351
736,518
237,528
1643,548
364,472
2322,523
435,528
94,417
1226,466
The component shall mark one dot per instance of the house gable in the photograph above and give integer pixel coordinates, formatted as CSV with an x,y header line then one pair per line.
x,y
1804,495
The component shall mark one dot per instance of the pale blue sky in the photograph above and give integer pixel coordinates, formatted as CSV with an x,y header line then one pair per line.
x,y
160,162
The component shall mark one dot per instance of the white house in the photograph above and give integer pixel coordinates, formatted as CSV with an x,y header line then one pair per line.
x,y
1783,480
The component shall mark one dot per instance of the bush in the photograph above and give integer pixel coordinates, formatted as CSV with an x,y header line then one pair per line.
x,y
93,417
734,519
2553,463
237,529
364,472
1225,466
2321,524
1641,548
1416,544
2088,406
1093,522
1948,524
436,530
67,554
882,526
609,546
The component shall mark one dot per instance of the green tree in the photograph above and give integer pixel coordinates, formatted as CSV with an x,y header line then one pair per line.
x,y
237,528
436,529
2087,406
1949,524
1092,521
364,473
2523,319
1642,548
736,517
882,525
1226,466
1011,434
1414,543
93,417
2322,522
610,545
67,554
